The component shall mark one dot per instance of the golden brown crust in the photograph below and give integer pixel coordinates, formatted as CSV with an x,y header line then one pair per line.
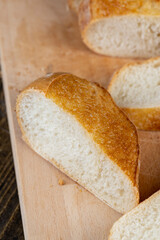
x,y
43,83
95,110
107,8
143,118
93,107
94,10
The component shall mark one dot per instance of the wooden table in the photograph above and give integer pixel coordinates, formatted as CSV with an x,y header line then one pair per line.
x,y
10,217
38,37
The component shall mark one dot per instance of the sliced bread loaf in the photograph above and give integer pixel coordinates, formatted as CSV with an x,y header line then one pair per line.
x,y
121,28
142,223
136,90
75,125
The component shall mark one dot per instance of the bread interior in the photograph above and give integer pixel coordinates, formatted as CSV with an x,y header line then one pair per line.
x,y
138,86
124,36
58,137
143,222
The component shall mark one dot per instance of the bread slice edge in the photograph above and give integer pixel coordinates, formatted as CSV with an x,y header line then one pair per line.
x,y
42,86
132,213
143,118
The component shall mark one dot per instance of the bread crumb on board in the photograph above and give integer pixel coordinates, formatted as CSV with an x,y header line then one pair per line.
x,y
78,187
61,182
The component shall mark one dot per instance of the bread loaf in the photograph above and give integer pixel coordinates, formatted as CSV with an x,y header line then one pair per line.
x,y
75,125
121,28
142,223
136,90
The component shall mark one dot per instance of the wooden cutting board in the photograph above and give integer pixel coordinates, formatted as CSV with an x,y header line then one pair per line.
x,y
38,37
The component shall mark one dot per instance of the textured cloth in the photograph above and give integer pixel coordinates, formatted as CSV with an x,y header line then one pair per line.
x,y
10,217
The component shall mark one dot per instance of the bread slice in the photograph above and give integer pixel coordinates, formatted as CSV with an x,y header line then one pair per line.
x,y
75,125
74,5
121,28
136,90
142,223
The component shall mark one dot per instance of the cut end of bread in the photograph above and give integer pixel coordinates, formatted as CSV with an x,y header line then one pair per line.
x,y
58,136
129,35
137,85
143,222
136,89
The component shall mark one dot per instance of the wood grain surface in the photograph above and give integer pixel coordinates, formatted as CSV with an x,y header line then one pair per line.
x,y
38,37
10,217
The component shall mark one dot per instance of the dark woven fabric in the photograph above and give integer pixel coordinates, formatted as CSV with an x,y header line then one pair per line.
x,y
10,217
